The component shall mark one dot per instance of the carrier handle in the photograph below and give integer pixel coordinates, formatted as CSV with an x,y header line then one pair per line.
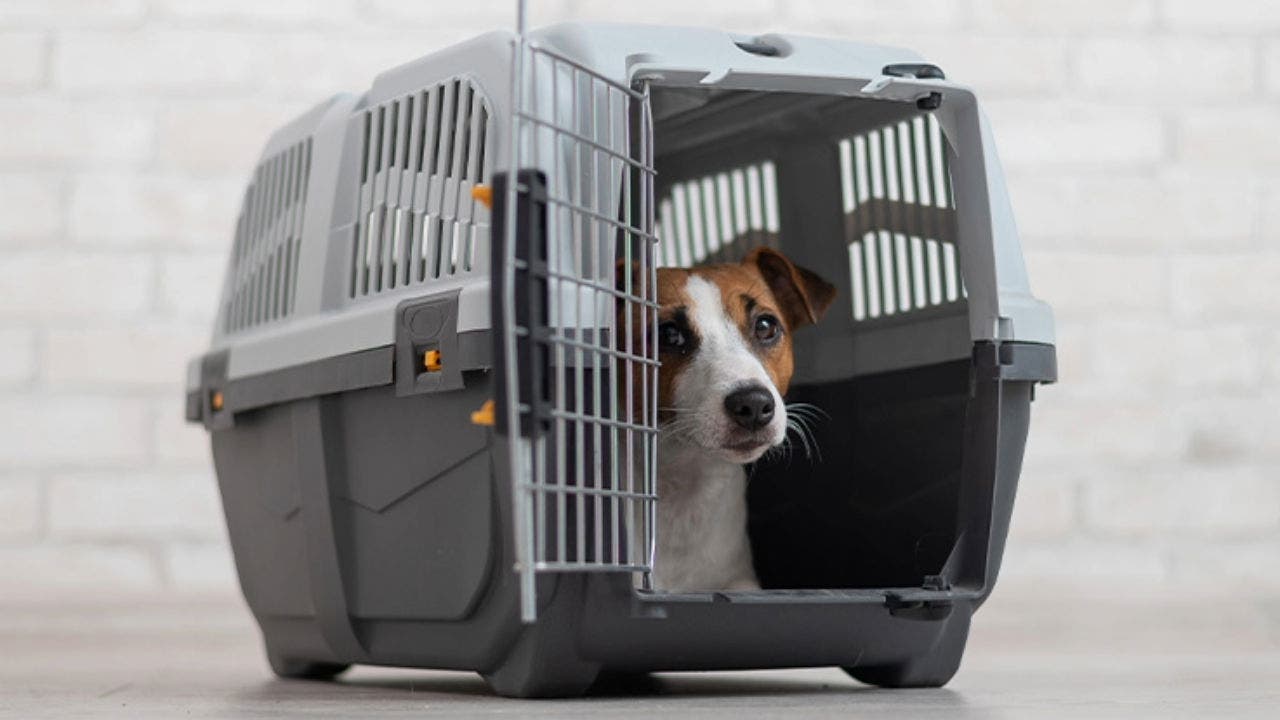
x,y
529,328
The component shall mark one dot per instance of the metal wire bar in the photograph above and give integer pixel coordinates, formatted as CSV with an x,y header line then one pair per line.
x,y
602,421
594,145
595,215
584,566
543,50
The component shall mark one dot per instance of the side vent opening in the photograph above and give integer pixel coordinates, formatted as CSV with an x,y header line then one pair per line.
x,y
899,220
416,220
720,217
263,279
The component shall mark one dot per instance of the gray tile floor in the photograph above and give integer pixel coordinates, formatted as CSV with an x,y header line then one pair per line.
x,y
1033,657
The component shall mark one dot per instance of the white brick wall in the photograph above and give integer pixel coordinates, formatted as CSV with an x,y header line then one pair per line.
x,y
1140,138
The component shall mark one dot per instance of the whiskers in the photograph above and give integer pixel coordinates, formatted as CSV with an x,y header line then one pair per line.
x,y
684,422
801,418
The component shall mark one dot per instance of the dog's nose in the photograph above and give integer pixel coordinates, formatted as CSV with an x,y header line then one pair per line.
x,y
751,407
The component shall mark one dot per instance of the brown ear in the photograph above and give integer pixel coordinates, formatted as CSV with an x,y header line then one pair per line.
x,y
803,295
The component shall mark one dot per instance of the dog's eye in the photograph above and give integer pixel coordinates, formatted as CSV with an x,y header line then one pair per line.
x,y
767,328
670,336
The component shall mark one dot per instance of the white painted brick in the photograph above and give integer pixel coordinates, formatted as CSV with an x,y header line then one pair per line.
x,y
1057,16
182,61
1219,501
201,568
176,441
21,507
40,430
1132,356
17,355
856,18
310,66
218,137
1218,358
1247,16
134,505
1226,288
190,285
289,13
49,572
71,13
1224,430
992,64
1081,429
1040,135
1270,226
1235,142
1094,283
1132,212
1271,66
1177,68
31,208
121,356
129,209
1082,562
45,132
22,59
488,16
1045,507
1246,565
743,16
1271,358
77,284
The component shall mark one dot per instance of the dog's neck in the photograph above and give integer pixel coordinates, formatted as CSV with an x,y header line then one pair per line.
x,y
686,471
702,519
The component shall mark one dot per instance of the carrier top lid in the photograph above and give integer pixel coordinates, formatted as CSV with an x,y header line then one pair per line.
x,y
695,56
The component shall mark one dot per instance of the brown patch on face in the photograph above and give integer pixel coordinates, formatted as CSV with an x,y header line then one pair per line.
x,y
671,298
764,285
673,301
746,297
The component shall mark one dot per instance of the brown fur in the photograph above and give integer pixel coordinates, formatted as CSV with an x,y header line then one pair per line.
x,y
766,280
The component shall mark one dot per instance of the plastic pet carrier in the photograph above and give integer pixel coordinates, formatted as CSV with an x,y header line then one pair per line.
x,y
437,448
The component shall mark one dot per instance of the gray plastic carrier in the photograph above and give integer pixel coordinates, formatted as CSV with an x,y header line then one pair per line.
x,y
434,427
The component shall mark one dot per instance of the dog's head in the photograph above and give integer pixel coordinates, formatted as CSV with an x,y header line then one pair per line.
x,y
724,339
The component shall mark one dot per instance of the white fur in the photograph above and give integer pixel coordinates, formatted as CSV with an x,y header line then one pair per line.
x,y
702,504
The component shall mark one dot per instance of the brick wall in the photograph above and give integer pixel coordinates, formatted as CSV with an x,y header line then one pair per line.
x,y
1142,143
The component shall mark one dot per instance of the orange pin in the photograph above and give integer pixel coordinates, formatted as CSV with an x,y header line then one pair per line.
x,y
483,194
483,416
432,361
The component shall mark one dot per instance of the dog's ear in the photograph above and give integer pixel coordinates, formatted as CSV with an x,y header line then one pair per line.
x,y
803,295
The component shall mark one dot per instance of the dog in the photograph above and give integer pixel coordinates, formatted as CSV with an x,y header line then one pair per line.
x,y
724,342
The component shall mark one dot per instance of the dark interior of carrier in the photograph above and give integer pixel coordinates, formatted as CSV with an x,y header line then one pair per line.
x,y
859,191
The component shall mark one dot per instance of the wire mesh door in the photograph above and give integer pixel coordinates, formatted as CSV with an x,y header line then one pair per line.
x,y
584,391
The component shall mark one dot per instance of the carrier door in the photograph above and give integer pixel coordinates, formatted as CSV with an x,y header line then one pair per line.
x,y
574,312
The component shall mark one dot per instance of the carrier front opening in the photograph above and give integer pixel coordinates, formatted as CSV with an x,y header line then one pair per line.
x,y
867,495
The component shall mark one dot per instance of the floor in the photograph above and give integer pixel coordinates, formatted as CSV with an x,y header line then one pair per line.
x,y
1042,656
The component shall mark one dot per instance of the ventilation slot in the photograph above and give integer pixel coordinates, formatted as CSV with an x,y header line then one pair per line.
x,y
899,219
263,278
720,217
416,220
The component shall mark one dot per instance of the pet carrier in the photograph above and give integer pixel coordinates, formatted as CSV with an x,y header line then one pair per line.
x,y
436,445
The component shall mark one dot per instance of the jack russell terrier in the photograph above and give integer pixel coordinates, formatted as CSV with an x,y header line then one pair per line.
x,y
724,339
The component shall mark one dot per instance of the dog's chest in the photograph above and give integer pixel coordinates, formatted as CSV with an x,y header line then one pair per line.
x,y
702,517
